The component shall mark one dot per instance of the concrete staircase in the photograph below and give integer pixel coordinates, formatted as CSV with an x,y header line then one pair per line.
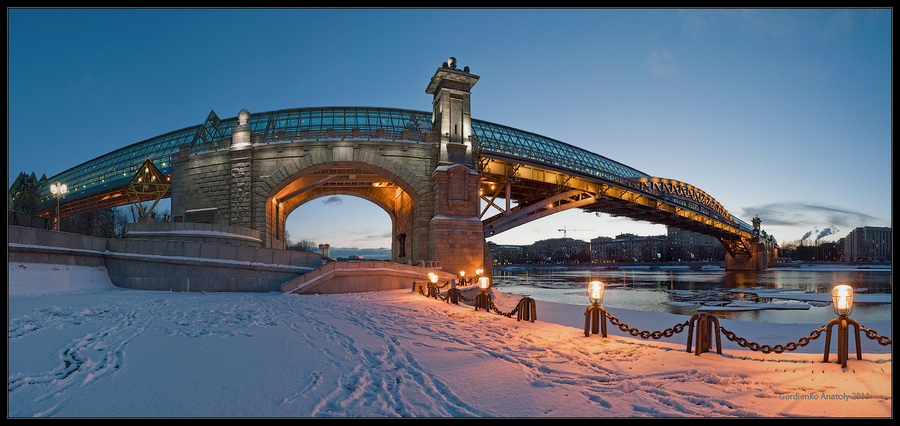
x,y
354,277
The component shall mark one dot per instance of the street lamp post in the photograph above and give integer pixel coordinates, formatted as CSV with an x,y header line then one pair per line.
x,y
595,315
842,300
483,298
59,191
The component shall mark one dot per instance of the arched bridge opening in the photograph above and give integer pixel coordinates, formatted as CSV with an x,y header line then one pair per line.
x,y
364,181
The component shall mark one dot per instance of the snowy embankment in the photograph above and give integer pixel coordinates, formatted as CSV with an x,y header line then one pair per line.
x,y
78,346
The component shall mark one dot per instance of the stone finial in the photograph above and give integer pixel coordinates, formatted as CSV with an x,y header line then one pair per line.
x,y
243,117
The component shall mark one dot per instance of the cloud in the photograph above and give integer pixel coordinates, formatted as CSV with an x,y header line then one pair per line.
x,y
333,200
775,23
367,235
662,63
807,214
696,22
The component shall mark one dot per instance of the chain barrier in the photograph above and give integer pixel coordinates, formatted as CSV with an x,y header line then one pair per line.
x,y
792,346
525,309
882,340
669,332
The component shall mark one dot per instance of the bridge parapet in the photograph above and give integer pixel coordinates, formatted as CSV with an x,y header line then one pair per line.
x,y
342,134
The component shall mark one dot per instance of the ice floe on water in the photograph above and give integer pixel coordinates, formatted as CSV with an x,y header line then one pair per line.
x,y
758,298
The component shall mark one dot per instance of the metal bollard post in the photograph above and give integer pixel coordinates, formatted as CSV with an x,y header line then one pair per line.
x,y
704,323
526,310
843,323
453,295
594,320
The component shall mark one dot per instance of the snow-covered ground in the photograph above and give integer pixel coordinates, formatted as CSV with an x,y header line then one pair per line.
x,y
78,346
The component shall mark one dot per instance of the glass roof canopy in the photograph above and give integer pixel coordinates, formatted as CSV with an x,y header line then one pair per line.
x,y
117,167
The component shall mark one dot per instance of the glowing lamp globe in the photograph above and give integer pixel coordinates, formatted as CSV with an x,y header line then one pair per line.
x,y
462,273
484,283
842,299
58,188
433,277
595,292
479,271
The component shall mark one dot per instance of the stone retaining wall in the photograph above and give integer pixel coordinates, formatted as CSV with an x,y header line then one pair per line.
x,y
147,264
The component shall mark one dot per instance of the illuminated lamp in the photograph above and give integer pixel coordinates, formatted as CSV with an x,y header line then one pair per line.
x,y
59,191
484,283
595,315
842,301
483,299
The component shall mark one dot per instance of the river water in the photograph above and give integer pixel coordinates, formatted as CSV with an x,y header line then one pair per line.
x,y
666,290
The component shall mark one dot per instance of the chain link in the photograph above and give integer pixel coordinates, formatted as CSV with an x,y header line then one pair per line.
x,y
792,346
669,332
882,340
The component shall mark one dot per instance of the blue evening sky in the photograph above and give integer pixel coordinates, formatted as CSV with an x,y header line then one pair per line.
x,y
781,113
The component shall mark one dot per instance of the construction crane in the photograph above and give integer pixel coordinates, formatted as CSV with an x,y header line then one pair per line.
x,y
564,230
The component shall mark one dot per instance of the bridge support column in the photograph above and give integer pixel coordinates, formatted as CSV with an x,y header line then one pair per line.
x,y
456,232
240,197
761,247
757,260
241,186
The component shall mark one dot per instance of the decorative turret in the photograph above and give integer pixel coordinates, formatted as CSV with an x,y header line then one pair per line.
x,y
452,114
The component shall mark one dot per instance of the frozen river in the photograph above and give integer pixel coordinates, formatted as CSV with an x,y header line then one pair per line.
x,y
682,290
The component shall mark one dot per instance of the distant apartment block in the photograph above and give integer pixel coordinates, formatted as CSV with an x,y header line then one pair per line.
x,y
628,248
687,246
868,244
556,250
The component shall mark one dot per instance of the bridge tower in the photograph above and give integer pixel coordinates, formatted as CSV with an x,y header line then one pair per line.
x,y
456,232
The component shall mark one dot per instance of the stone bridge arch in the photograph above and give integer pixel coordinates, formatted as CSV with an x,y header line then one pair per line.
x,y
427,181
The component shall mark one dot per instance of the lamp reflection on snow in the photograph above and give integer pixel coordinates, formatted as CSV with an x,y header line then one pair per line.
x,y
842,301
595,315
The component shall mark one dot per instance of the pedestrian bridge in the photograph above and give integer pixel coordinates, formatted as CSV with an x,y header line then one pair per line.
x,y
447,180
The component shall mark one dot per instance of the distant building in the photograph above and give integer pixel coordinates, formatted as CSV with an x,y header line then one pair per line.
x,y
868,244
506,254
325,250
685,246
628,248
558,250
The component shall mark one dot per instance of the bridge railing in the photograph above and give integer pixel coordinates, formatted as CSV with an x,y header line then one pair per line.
x,y
354,133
